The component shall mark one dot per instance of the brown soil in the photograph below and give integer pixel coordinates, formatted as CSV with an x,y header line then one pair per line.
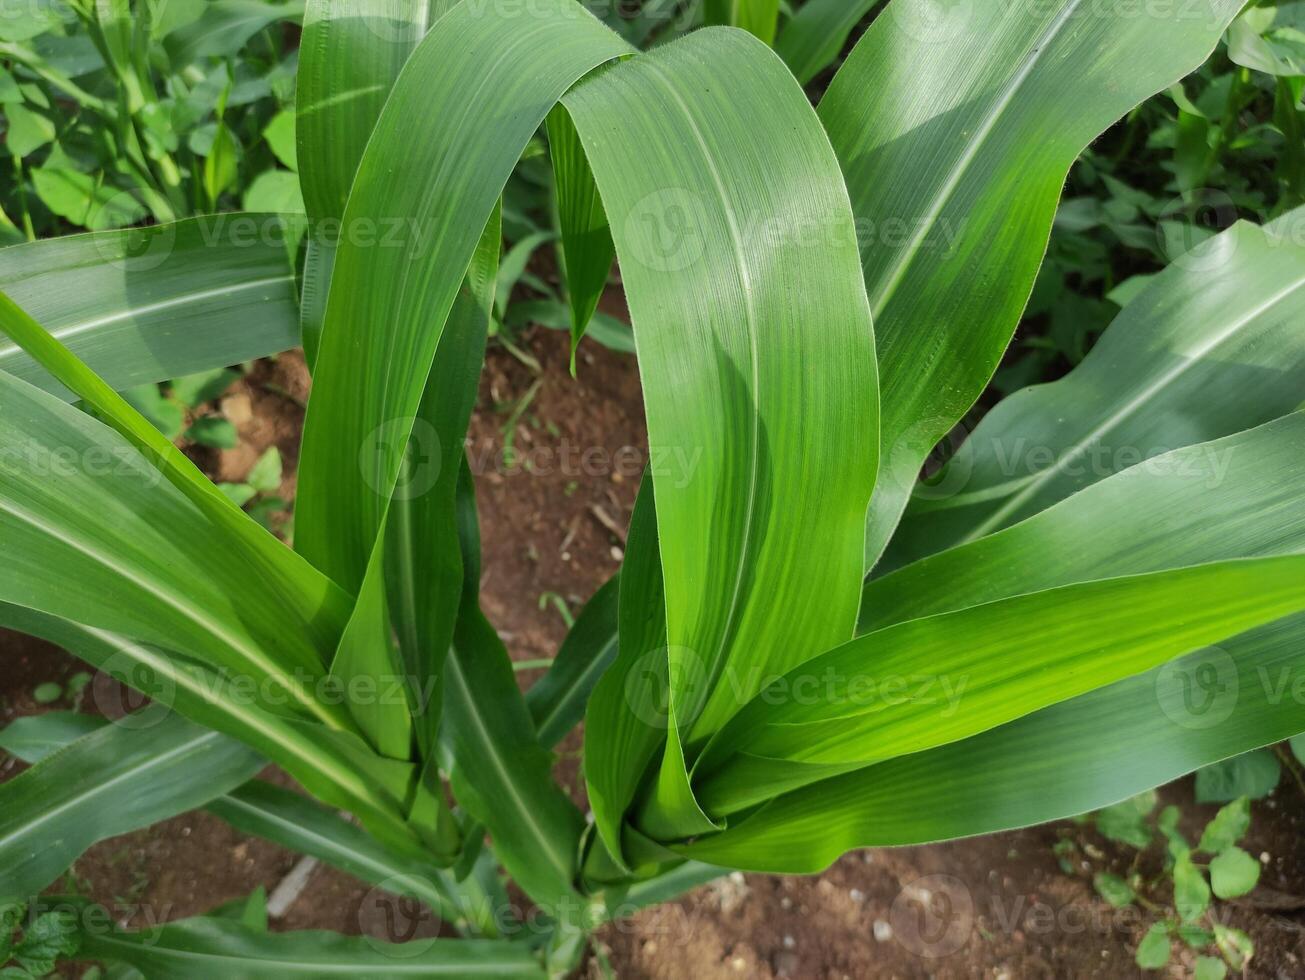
x,y
996,907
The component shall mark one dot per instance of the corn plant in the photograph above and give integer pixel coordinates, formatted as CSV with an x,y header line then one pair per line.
x,y
807,649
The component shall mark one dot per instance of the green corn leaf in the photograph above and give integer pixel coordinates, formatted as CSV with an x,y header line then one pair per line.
x,y
335,770
1231,498
148,304
342,500
983,667
500,772
1209,348
1208,706
1000,110
200,949
111,782
557,700
404,620
586,239
298,823
758,17
628,714
287,818
744,552
814,37
150,565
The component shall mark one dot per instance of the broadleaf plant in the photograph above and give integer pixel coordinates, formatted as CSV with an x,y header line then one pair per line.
x,y
786,667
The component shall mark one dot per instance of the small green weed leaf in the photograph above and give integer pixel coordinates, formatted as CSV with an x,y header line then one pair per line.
x,y
196,389
280,136
50,936
1210,968
238,493
1254,775
85,201
1167,824
77,682
1191,891
1234,873
1153,952
274,190
164,415
28,131
1125,822
10,915
47,693
1298,748
1114,889
1228,827
1195,936
214,431
1237,947
265,477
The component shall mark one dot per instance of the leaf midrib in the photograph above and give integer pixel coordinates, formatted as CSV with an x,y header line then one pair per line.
x,y
896,272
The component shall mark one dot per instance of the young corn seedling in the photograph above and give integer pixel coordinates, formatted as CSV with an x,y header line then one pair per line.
x,y
807,650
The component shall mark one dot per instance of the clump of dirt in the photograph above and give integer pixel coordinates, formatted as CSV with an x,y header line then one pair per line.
x,y
557,462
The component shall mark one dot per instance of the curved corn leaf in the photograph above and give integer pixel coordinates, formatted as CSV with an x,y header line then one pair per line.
x,y
145,562
350,54
1232,498
338,769
199,949
813,38
224,28
1076,756
999,108
111,782
1211,346
149,304
712,230
379,342
279,815
628,714
1208,503
927,682
557,700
